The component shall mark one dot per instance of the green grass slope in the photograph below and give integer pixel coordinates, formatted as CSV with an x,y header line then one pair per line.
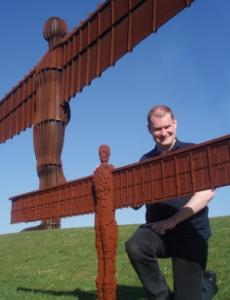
x,y
62,264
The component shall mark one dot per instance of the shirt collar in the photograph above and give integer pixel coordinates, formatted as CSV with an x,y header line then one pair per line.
x,y
177,145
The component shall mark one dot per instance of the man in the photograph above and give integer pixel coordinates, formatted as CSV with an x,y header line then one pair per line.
x,y
176,228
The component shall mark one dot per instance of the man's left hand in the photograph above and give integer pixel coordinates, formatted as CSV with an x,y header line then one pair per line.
x,y
161,227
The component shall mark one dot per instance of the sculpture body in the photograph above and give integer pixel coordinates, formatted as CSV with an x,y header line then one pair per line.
x,y
105,227
52,115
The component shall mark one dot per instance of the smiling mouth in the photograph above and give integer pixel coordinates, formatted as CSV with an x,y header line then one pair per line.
x,y
164,138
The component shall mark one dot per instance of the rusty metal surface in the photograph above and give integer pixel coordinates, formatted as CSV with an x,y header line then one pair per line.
x,y
50,118
17,108
69,199
179,173
114,29
183,172
105,225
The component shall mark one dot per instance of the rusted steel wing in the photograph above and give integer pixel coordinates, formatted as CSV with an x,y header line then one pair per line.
x,y
70,199
176,174
114,29
108,34
179,173
17,108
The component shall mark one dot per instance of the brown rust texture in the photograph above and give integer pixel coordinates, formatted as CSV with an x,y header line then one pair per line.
x,y
70,199
106,229
50,118
114,29
183,172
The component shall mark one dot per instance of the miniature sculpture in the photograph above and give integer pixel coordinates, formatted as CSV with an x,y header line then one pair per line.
x,y
105,227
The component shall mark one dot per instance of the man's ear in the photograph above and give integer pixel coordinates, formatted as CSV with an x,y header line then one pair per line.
x,y
175,123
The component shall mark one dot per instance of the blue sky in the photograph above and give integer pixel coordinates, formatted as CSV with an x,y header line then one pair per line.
x,y
184,65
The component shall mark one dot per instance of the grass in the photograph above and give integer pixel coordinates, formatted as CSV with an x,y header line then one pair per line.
x,y
62,264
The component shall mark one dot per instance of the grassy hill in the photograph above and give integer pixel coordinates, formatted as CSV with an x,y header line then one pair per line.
x,y
62,264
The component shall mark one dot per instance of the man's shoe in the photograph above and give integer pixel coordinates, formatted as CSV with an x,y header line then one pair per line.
x,y
210,282
210,276
171,295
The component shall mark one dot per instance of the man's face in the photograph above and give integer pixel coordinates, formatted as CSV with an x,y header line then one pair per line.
x,y
163,130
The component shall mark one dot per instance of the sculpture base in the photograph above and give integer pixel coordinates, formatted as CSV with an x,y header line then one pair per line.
x,y
47,224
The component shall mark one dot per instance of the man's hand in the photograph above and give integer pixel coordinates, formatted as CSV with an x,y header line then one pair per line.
x,y
197,202
161,227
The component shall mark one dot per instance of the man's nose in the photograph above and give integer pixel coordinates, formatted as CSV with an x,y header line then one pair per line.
x,y
163,131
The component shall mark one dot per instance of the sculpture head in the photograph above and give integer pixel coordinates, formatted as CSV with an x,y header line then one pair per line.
x,y
104,153
54,31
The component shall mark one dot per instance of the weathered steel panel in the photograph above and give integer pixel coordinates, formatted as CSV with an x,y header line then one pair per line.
x,y
72,198
114,29
13,107
172,175
108,34
176,174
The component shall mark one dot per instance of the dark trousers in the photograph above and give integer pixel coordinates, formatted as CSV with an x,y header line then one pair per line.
x,y
145,247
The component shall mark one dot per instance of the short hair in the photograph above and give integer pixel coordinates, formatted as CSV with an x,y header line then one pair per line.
x,y
159,111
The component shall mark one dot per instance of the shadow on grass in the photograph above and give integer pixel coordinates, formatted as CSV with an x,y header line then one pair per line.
x,y
127,292
124,292
82,295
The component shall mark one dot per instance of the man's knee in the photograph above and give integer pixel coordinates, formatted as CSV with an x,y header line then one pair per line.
x,y
137,248
143,242
132,249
